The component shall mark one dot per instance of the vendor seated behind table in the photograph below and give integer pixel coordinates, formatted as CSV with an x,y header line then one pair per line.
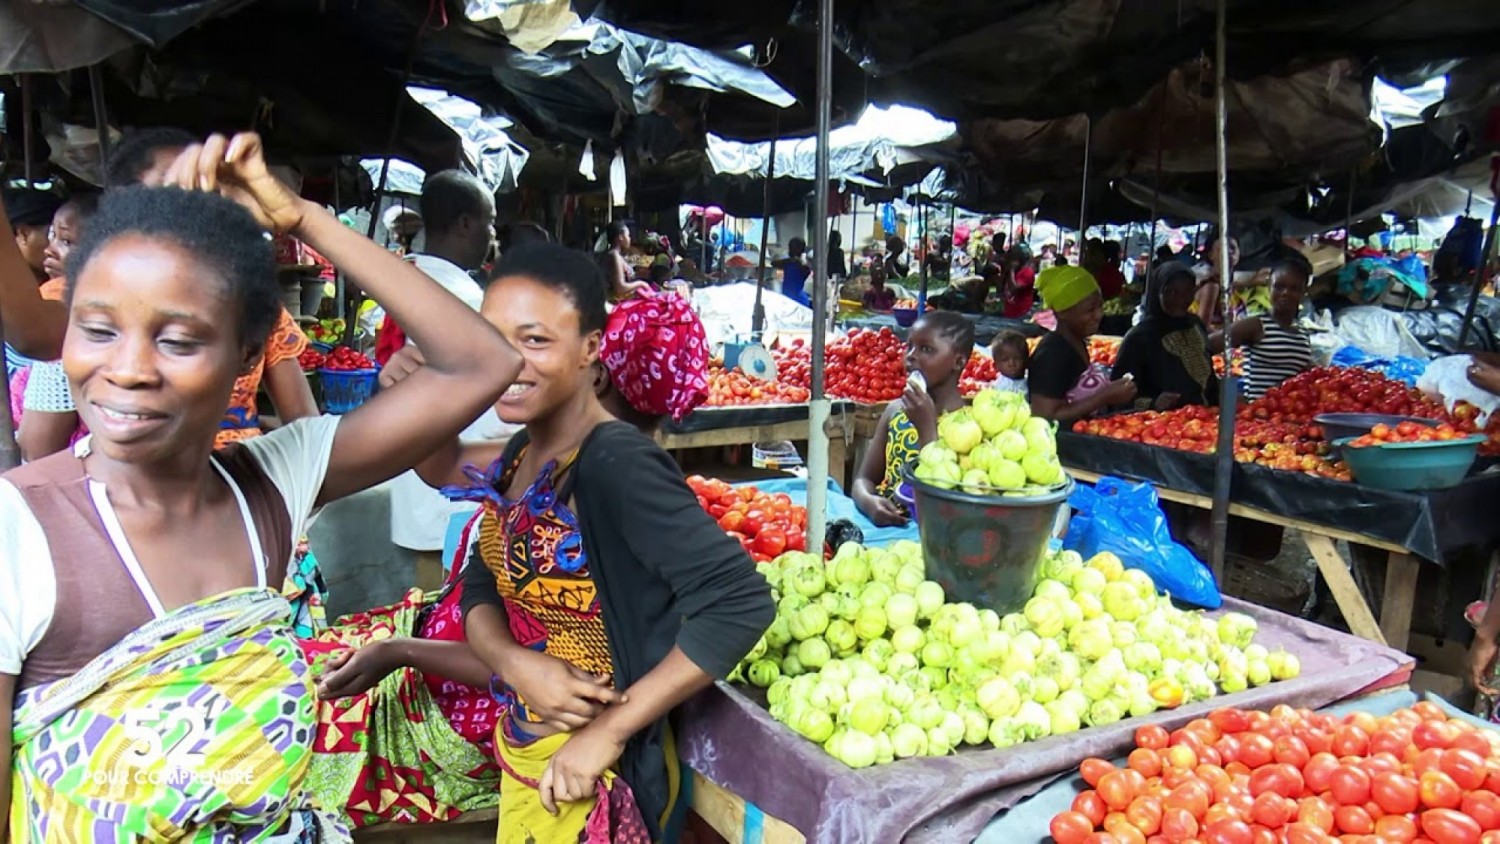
x,y
1278,347
938,347
794,271
1065,385
879,297
1167,353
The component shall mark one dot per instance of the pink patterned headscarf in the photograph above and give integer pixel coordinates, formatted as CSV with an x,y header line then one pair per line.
x,y
656,352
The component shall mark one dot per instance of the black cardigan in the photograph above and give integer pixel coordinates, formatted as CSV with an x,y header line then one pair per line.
x,y
666,575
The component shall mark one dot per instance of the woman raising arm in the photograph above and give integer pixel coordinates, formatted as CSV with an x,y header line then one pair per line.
x,y
124,574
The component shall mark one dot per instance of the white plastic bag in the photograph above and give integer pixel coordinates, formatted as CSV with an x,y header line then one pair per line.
x,y
1380,333
1447,379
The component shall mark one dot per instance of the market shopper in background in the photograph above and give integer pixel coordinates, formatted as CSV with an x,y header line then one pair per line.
x,y
617,272
1065,384
1167,353
879,297
51,422
1277,347
1250,295
938,348
897,262
418,746
795,271
838,265
599,594
459,215
150,619
29,212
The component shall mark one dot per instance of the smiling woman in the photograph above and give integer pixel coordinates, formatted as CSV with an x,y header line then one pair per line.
x,y
134,568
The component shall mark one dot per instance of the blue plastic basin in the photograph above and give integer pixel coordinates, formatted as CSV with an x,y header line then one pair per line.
x,y
905,317
1411,467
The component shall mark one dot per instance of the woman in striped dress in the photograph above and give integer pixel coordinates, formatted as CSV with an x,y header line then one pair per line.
x,y
1276,347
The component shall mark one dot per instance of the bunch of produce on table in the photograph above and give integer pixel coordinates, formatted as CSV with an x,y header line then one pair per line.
x,y
1277,429
765,525
1104,350
311,359
345,359
867,366
1120,306
868,658
993,446
327,330
1406,432
979,373
1288,446
731,388
1291,775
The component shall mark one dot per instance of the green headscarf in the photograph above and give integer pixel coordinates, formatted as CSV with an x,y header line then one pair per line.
x,y
1063,287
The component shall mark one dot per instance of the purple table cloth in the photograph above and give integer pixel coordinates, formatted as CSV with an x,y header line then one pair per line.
x,y
733,741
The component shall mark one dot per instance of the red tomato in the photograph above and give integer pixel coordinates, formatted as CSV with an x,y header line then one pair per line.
x,y
1272,810
1314,812
1319,771
1350,786
1353,820
1230,720
1192,795
1304,833
1256,749
1091,805
1145,813
1466,767
1279,778
1350,740
1178,825
1151,737
1092,769
1439,791
1070,828
1118,789
1291,750
1433,734
1445,826
1483,807
1228,832
1395,793
771,541
1396,828
1147,762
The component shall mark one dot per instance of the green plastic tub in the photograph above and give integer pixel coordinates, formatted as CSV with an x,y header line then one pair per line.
x,y
1412,467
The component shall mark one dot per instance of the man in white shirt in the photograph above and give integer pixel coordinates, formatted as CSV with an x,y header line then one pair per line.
x,y
459,215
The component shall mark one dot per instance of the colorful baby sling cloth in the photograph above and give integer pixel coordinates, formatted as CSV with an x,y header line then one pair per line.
x,y
197,727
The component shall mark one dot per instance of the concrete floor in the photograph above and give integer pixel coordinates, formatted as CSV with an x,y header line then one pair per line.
x,y
352,540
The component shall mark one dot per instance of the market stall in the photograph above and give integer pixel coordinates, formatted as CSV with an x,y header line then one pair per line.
x,y
715,427
1409,526
773,768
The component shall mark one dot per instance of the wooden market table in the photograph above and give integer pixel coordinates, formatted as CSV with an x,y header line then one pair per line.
x,y
716,427
1407,527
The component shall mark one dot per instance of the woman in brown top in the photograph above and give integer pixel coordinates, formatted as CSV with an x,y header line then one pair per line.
x,y
157,689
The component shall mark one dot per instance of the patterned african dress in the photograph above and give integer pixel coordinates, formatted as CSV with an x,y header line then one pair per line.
x,y
415,748
242,421
900,449
534,548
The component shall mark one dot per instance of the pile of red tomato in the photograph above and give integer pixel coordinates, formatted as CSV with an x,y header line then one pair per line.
x,y
311,359
865,365
1295,776
765,525
978,373
733,388
345,359
1340,390
1406,432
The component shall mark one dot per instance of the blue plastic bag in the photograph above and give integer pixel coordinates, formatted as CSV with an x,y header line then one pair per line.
x,y
1126,520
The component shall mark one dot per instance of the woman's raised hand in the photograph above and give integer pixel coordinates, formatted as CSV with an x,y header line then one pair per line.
x,y
236,168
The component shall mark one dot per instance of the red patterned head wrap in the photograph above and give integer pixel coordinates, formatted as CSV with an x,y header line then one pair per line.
x,y
656,352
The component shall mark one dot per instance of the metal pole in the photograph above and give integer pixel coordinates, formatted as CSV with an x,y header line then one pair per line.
x,y
1489,246
1083,200
351,322
101,120
26,129
1224,458
817,434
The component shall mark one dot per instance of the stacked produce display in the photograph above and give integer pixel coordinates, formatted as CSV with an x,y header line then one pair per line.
x,y
765,525
869,659
1291,775
995,445
1278,431
867,366
733,388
